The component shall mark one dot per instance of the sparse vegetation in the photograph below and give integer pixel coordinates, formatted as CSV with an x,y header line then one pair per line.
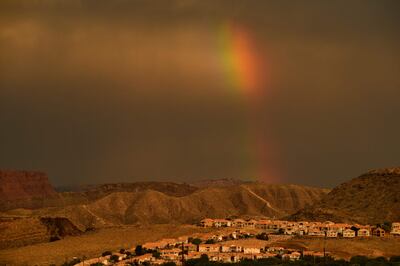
x,y
114,258
106,253
262,236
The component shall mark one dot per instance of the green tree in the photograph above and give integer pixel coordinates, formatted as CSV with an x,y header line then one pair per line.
x,y
359,260
387,226
156,254
196,241
139,250
395,259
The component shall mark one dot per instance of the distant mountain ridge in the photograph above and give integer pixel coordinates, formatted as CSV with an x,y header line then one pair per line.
x,y
218,182
20,185
371,198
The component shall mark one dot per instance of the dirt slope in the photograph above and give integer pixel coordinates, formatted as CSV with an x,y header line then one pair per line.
x,y
371,198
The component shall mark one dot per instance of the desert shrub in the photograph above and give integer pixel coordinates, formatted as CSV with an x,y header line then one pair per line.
x,y
106,253
210,241
114,258
54,238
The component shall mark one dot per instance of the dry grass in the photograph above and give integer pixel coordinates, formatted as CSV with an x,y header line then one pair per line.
x,y
93,244
346,248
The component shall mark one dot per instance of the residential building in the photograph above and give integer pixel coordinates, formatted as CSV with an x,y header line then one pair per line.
x,y
209,248
395,229
331,233
207,222
348,233
379,232
363,232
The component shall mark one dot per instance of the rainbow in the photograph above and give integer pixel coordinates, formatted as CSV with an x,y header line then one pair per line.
x,y
247,73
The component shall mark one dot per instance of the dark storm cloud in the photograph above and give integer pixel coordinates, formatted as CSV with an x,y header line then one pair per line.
x,y
103,91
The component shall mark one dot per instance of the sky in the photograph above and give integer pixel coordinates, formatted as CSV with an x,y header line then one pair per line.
x,y
95,91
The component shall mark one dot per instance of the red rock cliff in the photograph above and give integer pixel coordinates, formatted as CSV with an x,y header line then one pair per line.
x,y
16,185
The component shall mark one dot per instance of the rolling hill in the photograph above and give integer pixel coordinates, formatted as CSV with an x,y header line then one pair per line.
x,y
371,198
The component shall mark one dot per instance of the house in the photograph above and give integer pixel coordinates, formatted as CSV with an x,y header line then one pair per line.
x,y
207,222
231,248
250,223
331,233
173,251
170,254
275,249
292,256
251,250
222,223
363,232
144,258
313,253
233,235
290,231
89,262
316,232
190,247
209,248
295,255
395,229
379,232
348,233
263,224
238,223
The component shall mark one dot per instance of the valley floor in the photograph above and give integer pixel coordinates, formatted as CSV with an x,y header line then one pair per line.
x,y
93,244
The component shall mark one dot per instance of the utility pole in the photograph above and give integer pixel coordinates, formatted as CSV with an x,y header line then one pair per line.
x,y
183,254
325,249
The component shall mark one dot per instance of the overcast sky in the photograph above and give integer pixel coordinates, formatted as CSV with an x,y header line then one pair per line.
x,y
110,91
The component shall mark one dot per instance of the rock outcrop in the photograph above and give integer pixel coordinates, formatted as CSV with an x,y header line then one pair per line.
x,y
18,185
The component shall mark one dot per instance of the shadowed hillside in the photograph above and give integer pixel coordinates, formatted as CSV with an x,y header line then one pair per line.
x,y
154,207
372,198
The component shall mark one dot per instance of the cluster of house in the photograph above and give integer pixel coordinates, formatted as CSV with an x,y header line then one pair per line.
x,y
221,251
230,246
317,229
238,243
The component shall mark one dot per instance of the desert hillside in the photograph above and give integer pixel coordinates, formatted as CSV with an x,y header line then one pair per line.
x,y
155,207
371,198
